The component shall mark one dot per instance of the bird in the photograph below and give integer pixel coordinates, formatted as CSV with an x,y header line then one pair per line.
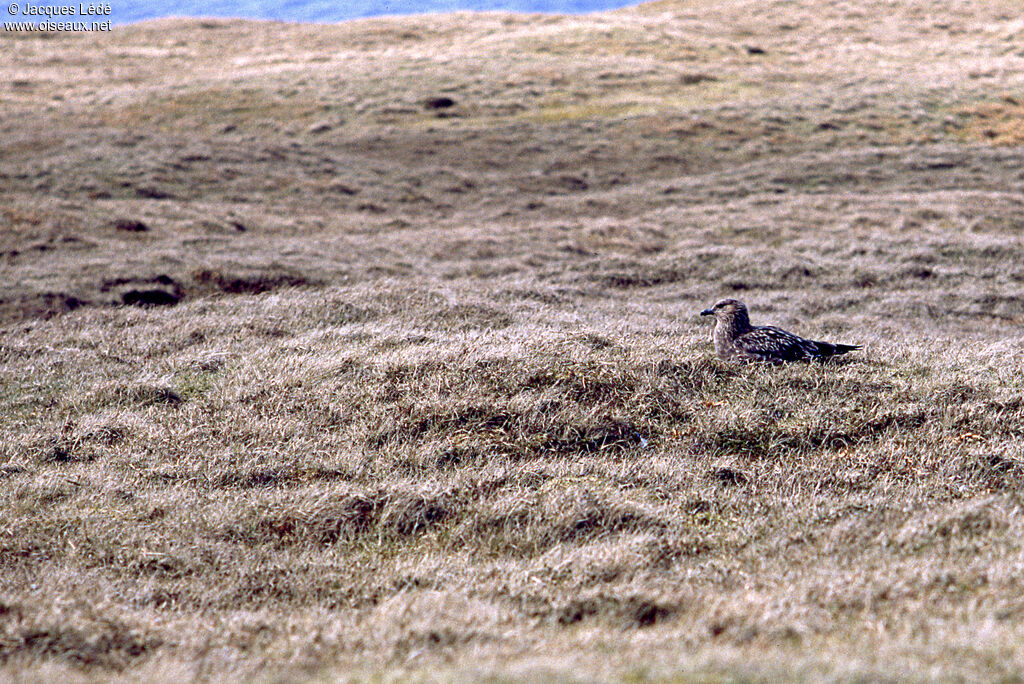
x,y
736,340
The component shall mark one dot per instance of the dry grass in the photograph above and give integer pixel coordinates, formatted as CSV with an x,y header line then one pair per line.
x,y
372,349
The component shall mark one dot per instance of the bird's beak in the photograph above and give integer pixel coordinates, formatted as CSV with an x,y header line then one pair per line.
x,y
707,312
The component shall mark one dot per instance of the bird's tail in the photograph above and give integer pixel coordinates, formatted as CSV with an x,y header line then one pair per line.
x,y
828,350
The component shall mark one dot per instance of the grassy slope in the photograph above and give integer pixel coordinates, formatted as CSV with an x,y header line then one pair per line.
x,y
432,396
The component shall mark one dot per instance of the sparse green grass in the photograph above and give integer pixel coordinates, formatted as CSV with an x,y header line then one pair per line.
x,y
422,393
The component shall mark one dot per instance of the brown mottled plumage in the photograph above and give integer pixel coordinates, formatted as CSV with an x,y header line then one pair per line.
x,y
736,340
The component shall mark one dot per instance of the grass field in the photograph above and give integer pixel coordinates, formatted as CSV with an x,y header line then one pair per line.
x,y
372,350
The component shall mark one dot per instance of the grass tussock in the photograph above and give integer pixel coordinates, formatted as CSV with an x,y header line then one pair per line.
x,y
78,635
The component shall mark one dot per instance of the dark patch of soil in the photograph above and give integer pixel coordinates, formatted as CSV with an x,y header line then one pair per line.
x,y
150,298
18,307
253,283
130,226
160,290
439,103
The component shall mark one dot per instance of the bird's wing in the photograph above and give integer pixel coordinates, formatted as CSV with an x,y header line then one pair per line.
x,y
768,343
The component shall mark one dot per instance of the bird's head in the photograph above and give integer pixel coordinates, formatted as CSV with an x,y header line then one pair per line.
x,y
726,309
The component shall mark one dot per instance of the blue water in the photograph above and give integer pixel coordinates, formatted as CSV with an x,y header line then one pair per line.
x,y
128,11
